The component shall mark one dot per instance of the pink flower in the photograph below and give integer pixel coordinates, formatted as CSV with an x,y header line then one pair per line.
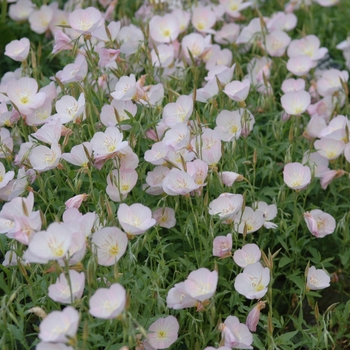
x,y
178,182
23,93
178,112
300,65
235,334
125,89
296,176
163,332
5,177
319,223
43,158
228,178
79,155
178,298
296,103
62,42
227,205
250,221
18,50
237,91
329,148
196,44
293,85
309,45
59,325
85,20
317,279
254,316
111,244
164,29
222,246
253,281
76,201
328,176
135,219
165,217
277,42
39,20
201,284
61,290
108,303
203,19
249,254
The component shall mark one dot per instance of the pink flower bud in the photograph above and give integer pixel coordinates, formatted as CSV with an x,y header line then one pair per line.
x,y
254,315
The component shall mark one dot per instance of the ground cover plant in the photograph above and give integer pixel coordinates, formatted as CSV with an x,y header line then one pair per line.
x,y
174,175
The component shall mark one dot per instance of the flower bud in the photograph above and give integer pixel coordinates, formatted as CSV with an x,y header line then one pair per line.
x,y
254,316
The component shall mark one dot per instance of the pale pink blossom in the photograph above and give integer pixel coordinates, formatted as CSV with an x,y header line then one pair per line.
x,y
329,148
317,279
18,50
107,33
270,212
208,146
249,254
203,19
5,177
154,180
135,219
253,281
319,223
178,298
317,163
125,89
165,217
79,155
116,113
164,29
41,114
195,44
227,205
65,292
250,221
233,7
237,91
157,154
59,326
69,109
201,284
163,332
49,133
228,178
39,20
328,176
229,125
293,85
74,72
277,42
222,246
85,20
163,55
235,334
51,244
314,127
296,176
23,93
198,169
110,244
106,144
282,21
227,34
131,38
220,58
300,65
178,182
296,103
43,158
76,201
331,81
120,183
108,303
309,45
178,112
207,92
254,316
52,346
183,18
21,10
222,73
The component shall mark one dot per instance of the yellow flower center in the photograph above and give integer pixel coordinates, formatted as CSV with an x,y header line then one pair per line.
x,y
114,250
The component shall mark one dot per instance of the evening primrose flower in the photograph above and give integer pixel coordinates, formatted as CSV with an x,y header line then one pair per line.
x,y
5,177
296,176
23,93
18,50
296,103
51,244
235,334
317,279
59,325
85,20
163,332
111,244
135,219
253,281
61,290
201,284
108,303
43,158
319,223
164,29
249,254
222,246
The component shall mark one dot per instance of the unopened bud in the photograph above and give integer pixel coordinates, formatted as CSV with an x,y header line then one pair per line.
x,y
38,311
254,316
